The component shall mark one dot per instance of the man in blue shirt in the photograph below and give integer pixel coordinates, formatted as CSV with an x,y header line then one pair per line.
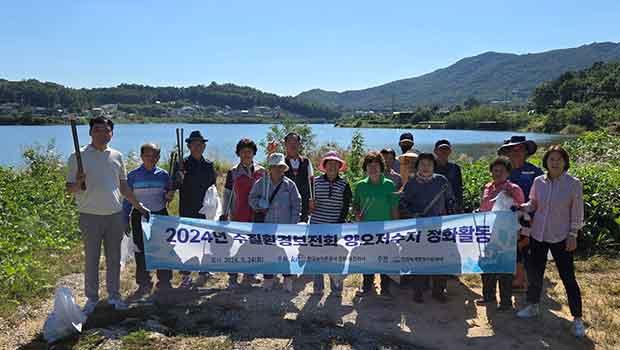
x,y
523,173
153,188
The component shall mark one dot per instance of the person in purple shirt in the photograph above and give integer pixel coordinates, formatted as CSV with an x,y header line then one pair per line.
x,y
518,149
153,188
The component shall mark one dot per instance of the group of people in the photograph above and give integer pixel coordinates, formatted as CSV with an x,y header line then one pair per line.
x,y
286,191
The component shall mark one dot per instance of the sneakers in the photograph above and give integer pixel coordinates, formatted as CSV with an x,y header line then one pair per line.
x,y
529,311
268,284
89,307
483,301
232,282
118,304
504,307
579,329
186,282
288,284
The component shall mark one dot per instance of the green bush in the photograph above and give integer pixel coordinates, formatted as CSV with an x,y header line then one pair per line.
x,y
37,220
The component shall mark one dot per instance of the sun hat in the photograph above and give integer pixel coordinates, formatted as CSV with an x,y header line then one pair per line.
x,y
277,159
195,136
515,141
332,155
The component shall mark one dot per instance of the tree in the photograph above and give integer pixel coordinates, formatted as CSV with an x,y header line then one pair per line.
x,y
471,103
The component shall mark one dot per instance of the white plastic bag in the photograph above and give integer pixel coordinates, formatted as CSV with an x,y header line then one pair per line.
x,y
211,204
502,202
65,319
127,251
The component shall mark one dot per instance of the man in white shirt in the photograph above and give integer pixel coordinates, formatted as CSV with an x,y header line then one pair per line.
x,y
99,192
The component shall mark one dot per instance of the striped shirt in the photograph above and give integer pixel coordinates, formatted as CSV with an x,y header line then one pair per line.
x,y
331,200
149,187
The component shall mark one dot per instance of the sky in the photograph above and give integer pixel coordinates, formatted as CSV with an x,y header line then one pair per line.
x,y
284,47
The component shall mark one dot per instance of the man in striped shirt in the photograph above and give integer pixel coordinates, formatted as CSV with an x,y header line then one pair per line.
x,y
153,188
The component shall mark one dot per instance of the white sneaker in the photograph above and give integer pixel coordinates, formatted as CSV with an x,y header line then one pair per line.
x,y
579,329
118,304
529,311
288,284
90,306
268,284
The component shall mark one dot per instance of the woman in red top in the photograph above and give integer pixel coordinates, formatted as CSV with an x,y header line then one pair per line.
x,y
500,170
239,182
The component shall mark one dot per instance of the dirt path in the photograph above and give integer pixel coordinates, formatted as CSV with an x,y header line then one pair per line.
x,y
249,318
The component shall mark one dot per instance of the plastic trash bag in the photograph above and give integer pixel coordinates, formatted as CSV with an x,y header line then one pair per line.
x,y
211,204
127,251
505,202
65,319
502,202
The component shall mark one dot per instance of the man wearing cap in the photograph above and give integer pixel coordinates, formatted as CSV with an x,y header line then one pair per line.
x,y
451,171
523,173
404,165
405,143
300,170
197,176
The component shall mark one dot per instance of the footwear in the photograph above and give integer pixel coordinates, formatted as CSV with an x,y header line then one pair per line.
x,y
336,286
365,291
483,301
186,282
529,311
268,284
504,307
288,284
579,329
118,304
143,289
90,306
418,297
441,297
232,283
163,286
202,280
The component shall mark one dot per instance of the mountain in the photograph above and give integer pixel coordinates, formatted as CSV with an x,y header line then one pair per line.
x,y
487,77
47,94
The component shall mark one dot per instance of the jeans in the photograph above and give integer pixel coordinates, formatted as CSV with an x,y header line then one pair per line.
x,y
565,265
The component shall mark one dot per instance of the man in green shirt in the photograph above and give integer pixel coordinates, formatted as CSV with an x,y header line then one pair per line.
x,y
375,200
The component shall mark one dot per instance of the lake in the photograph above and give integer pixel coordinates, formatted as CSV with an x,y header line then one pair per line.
x,y
223,138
